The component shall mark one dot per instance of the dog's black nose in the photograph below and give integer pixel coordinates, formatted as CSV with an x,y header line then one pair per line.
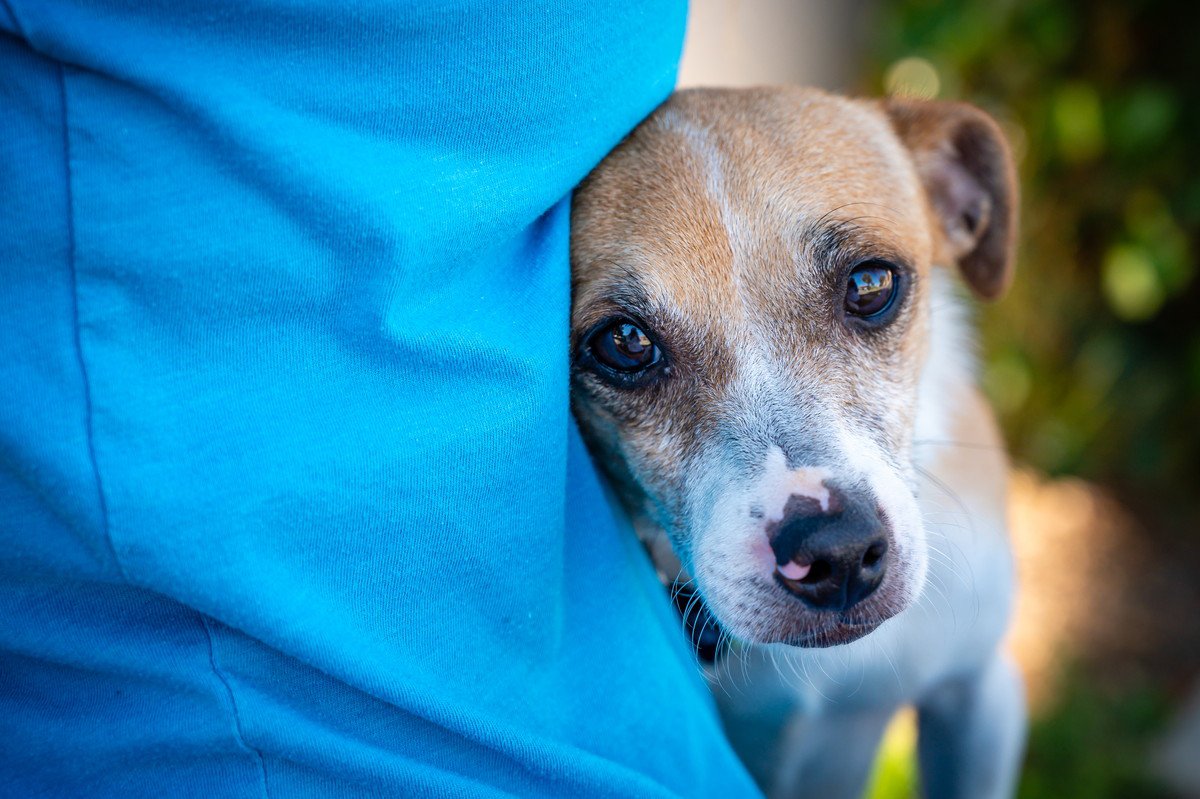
x,y
830,556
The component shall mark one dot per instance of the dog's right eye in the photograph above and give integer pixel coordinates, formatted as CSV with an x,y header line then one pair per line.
x,y
624,347
870,289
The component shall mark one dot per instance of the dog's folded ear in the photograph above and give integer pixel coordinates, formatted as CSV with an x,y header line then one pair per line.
x,y
967,169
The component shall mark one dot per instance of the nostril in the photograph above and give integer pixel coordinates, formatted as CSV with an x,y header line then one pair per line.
x,y
840,579
819,572
874,554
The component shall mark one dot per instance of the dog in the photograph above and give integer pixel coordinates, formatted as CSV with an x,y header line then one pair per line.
x,y
772,364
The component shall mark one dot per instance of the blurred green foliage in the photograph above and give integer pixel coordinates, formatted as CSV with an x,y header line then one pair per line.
x,y
1093,360
1095,742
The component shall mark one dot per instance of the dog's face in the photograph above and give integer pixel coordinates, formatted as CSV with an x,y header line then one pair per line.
x,y
749,323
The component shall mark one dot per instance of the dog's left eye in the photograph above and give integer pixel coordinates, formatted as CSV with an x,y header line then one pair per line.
x,y
624,347
870,289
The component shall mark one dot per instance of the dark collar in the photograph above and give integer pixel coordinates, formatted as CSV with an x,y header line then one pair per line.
x,y
706,636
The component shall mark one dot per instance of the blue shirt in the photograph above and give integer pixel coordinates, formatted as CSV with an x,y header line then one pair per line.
x,y
291,504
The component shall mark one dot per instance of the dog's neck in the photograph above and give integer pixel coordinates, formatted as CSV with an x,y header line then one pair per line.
x,y
950,365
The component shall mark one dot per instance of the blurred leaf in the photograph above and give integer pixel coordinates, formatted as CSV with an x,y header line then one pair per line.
x,y
1143,118
1078,122
1007,381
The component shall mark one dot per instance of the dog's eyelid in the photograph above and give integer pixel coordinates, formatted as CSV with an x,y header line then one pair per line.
x,y
615,313
842,245
835,240
897,264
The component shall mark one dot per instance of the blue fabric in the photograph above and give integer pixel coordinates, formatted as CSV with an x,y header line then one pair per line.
x,y
290,501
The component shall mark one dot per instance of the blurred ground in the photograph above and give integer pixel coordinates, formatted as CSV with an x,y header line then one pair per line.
x,y
1106,635
1098,590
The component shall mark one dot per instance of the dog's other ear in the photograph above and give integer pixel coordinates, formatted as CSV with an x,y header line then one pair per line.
x,y
967,169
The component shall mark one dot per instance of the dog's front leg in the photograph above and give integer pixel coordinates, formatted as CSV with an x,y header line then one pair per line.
x,y
829,755
972,734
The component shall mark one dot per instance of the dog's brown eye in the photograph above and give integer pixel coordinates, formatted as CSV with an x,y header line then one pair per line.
x,y
624,347
870,289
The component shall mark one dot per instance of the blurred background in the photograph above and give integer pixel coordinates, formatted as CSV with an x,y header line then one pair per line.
x,y
1093,359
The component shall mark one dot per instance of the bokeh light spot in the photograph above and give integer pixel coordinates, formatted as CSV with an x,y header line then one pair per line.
x,y
913,77
1131,283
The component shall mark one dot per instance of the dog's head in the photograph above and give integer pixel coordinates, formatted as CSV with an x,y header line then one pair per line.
x,y
750,319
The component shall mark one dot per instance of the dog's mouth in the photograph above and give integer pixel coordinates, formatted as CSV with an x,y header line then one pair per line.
x,y
836,633
710,641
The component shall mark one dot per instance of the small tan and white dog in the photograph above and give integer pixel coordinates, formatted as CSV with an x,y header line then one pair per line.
x,y
772,364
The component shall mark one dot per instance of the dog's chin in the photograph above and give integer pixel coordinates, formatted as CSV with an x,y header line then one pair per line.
x,y
809,629
836,634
